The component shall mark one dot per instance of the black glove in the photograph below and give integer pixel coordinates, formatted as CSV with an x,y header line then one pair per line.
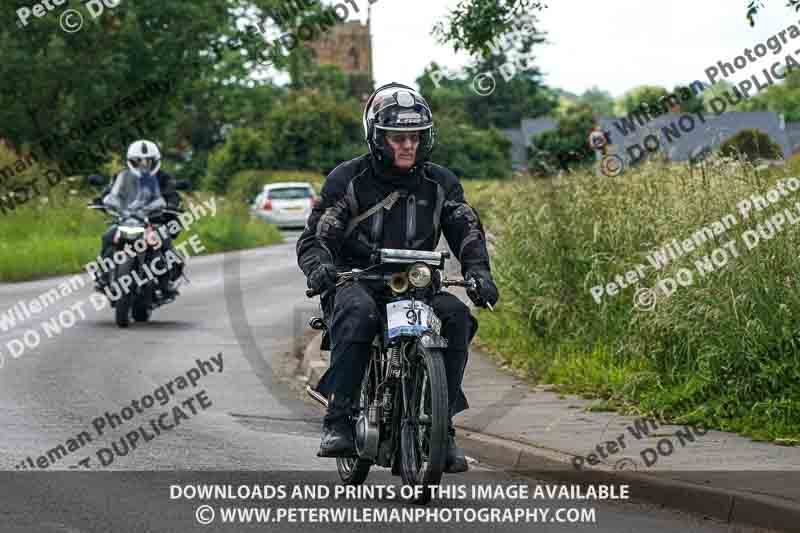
x,y
322,278
485,291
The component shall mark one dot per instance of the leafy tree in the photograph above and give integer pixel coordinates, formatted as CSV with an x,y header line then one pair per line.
x,y
753,7
781,98
695,102
314,130
474,24
53,80
565,147
245,148
717,90
507,70
309,129
601,102
753,144
471,152
634,99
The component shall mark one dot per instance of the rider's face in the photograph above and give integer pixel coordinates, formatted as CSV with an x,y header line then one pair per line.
x,y
404,145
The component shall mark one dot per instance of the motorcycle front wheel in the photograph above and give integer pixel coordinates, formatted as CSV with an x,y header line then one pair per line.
x,y
423,434
142,305
122,309
354,470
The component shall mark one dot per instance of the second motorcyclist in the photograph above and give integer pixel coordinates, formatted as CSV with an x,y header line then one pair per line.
x,y
140,184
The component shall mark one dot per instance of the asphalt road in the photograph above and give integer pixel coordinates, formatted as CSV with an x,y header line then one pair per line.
x,y
241,423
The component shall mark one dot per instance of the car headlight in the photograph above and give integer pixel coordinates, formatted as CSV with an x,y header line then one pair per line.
x,y
419,275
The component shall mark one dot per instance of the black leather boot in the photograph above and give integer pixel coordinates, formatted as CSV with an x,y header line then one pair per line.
x,y
337,431
456,461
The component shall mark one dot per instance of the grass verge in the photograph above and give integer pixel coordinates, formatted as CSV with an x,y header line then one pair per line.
x,y
39,241
722,349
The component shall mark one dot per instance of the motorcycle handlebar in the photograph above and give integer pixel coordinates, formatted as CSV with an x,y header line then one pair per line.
x,y
468,283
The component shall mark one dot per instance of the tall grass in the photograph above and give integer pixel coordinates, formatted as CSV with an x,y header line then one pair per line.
x,y
724,351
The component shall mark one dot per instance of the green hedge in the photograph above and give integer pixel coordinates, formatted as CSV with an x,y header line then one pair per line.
x,y
246,185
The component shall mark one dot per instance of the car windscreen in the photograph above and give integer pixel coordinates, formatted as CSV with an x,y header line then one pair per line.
x,y
290,193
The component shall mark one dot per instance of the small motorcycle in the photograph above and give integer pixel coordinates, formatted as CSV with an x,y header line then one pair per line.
x,y
140,280
403,412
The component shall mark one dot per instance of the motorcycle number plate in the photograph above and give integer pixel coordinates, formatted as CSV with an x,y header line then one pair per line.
x,y
411,318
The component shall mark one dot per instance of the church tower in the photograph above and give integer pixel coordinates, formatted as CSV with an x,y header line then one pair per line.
x,y
348,45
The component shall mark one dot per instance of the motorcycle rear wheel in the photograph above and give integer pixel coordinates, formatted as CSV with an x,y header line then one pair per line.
x,y
423,434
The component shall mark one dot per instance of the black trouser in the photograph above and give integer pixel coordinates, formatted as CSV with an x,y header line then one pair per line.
x,y
355,322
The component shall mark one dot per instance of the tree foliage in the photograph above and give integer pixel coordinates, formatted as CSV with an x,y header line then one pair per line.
x,y
644,94
753,144
472,152
754,6
565,147
601,102
781,98
507,69
52,80
309,129
474,24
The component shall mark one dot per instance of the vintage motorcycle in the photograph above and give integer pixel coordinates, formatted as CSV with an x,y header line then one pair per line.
x,y
402,416
140,280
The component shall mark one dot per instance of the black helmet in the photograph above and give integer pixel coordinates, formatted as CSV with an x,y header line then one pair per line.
x,y
397,107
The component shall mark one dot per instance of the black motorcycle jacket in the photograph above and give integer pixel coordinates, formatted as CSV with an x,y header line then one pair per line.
x,y
167,185
431,202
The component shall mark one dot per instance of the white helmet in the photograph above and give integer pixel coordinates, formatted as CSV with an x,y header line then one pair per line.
x,y
143,155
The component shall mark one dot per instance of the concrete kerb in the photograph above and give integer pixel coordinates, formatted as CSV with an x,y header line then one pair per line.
x,y
525,459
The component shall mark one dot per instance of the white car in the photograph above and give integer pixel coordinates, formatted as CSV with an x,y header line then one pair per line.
x,y
285,204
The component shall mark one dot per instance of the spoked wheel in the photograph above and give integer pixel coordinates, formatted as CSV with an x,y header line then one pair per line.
x,y
354,470
424,426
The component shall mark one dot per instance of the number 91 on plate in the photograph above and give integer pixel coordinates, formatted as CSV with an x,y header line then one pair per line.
x,y
411,318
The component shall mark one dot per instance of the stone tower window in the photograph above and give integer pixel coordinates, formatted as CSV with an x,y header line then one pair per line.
x,y
353,53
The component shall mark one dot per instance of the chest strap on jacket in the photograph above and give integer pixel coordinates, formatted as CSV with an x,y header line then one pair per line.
x,y
386,203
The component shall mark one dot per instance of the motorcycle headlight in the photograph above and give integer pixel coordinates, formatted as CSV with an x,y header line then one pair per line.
x,y
419,275
131,231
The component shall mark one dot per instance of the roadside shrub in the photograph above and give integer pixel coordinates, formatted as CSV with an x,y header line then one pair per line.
x,y
471,152
247,184
566,147
13,170
244,148
753,144
314,130
194,170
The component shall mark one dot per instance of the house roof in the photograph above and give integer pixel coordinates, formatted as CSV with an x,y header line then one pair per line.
x,y
793,131
708,131
535,126
680,137
519,152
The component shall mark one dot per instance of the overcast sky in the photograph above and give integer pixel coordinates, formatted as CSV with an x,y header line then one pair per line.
x,y
614,44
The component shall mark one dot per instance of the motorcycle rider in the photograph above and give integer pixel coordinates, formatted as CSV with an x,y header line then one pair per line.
x,y
400,135
142,183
